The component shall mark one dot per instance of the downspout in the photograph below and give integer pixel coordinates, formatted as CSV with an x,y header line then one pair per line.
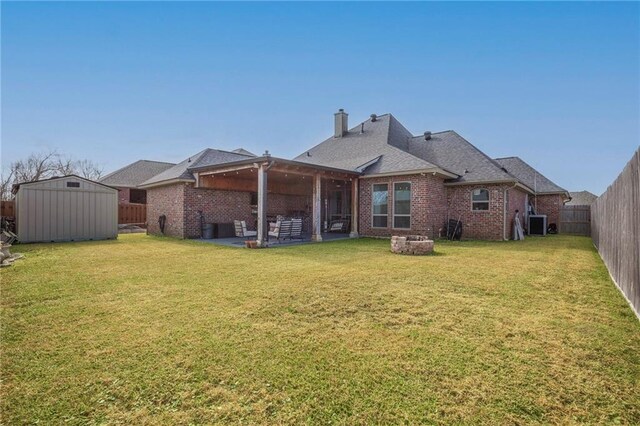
x,y
504,211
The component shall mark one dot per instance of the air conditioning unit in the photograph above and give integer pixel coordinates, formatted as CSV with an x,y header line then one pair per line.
x,y
537,224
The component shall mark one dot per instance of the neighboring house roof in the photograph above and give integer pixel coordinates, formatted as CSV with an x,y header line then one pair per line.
x,y
372,147
243,151
135,173
530,176
206,157
581,198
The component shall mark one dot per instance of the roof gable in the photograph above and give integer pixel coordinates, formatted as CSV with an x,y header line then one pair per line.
x,y
381,139
61,179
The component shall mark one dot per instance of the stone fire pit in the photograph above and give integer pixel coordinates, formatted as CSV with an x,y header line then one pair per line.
x,y
411,244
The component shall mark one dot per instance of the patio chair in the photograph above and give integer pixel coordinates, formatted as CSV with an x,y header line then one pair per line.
x,y
240,227
282,230
246,232
296,229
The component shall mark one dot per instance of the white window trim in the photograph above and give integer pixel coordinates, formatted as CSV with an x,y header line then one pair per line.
x,y
373,214
488,201
393,216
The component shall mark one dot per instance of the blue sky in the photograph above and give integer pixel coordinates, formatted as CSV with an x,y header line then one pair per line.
x,y
554,83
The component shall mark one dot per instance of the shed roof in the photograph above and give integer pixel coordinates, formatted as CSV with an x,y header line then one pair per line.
x,y
17,186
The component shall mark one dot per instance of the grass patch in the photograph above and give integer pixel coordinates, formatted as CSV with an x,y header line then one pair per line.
x,y
146,330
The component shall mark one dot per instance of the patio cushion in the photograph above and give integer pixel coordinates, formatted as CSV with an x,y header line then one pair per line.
x,y
336,226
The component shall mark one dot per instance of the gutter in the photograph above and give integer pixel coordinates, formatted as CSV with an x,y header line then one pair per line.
x,y
257,160
411,172
164,182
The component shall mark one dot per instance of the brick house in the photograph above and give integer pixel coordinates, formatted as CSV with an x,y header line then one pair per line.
x,y
127,179
377,178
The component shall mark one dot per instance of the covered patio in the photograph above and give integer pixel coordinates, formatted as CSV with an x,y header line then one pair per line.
x,y
323,199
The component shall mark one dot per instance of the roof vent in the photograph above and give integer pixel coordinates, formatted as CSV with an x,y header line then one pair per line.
x,y
373,117
427,135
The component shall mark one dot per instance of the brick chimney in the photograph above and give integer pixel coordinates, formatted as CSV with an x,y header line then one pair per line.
x,y
341,123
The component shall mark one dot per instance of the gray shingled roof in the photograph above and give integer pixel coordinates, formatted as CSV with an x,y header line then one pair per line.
x,y
135,173
452,152
385,146
529,176
243,151
206,157
379,146
581,198
397,150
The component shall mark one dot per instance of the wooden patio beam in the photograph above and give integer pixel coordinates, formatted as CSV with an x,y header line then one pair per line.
x,y
354,209
317,206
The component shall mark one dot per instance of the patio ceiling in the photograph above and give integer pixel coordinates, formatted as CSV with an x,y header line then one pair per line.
x,y
284,178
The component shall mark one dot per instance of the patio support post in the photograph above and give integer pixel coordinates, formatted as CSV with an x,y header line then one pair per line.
x,y
316,234
354,208
263,236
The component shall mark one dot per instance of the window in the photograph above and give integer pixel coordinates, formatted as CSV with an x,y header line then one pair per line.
x,y
379,203
402,205
73,184
480,199
138,196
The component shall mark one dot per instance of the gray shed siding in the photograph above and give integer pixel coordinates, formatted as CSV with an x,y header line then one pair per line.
x,y
50,211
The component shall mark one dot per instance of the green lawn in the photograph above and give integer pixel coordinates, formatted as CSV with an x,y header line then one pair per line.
x,y
147,330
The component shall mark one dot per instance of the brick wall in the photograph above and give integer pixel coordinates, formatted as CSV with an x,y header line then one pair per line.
x,y
549,205
286,205
428,206
478,224
432,203
217,206
123,195
226,206
167,200
516,199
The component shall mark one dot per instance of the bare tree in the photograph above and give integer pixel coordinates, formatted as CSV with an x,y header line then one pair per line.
x,y
65,165
88,169
6,183
39,166
35,167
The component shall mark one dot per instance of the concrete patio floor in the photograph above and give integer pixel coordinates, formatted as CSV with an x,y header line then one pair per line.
x,y
239,242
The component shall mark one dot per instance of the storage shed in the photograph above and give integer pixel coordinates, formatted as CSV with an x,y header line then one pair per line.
x,y
67,208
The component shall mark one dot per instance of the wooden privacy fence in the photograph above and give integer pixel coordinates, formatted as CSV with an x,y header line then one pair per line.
x,y
8,208
575,220
129,213
615,229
